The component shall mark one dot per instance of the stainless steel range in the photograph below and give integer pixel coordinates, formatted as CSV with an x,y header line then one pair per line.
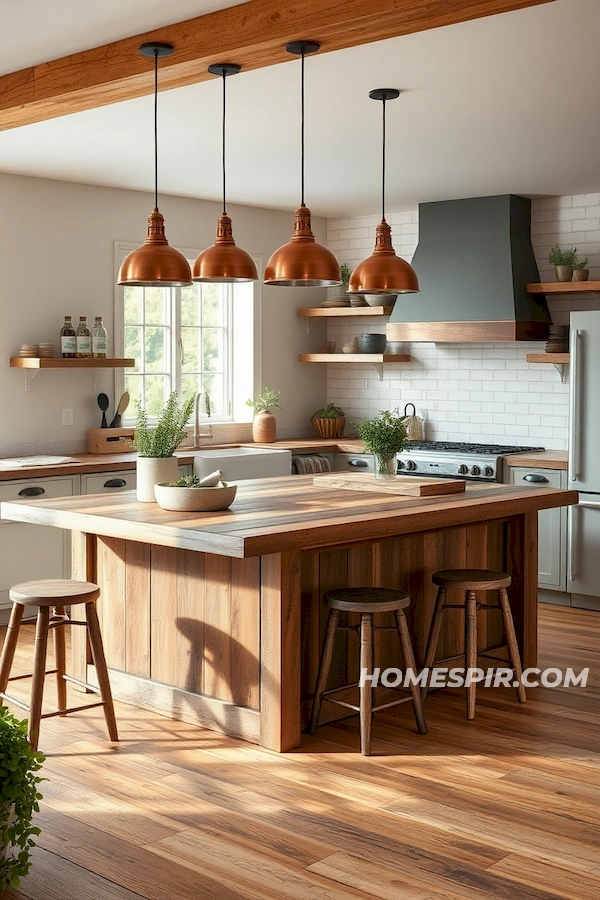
x,y
449,459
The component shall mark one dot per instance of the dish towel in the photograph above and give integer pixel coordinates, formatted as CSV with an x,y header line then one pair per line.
x,y
310,465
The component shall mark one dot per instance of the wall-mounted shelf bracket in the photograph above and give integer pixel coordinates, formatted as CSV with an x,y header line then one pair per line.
x,y
378,368
29,376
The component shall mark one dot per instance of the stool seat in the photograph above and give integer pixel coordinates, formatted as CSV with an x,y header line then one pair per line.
x,y
51,597
472,579
53,592
365,599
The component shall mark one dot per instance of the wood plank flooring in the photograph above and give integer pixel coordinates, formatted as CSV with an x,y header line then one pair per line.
x,y
504,807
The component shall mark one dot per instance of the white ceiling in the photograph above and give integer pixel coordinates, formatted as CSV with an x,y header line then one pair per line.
x,y
509,103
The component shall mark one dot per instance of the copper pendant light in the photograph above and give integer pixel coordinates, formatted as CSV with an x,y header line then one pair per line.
x,y
155,264
302,262
224,261
383,272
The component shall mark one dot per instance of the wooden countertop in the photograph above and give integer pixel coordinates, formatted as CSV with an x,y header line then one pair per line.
x,y
275,514
546,459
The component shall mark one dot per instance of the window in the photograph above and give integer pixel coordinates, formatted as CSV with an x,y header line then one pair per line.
x,y
190,339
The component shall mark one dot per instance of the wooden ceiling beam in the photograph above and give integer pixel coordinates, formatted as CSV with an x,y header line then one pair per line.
x,y
253,34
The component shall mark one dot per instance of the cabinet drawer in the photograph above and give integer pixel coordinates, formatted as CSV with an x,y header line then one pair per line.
x,y
108,482
552,527
39,488
354,462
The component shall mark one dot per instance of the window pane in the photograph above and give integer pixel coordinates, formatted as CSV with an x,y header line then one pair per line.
x,y
154,350
190,385
134,297
212,347
214,384
156,391
212,308
133,345
154,302
133,384
190,305
192,361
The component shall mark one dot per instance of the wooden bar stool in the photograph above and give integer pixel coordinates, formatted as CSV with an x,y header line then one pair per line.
x,y
469,581
46,595
365,601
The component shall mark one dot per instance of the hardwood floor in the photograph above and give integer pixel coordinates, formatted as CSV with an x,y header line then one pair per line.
x,y
504,807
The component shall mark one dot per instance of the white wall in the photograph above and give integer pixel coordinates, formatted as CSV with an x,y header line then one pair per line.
x,y
56,258
471,392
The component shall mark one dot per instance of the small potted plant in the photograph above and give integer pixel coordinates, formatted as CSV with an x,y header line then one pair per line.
x,y
264,426
157,444
329,422
563,262
580,270
19,798
384,435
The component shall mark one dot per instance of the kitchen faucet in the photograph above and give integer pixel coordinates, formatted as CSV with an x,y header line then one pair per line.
x,y
207,434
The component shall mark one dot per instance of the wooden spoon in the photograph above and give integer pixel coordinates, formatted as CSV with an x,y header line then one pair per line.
x,y
123,404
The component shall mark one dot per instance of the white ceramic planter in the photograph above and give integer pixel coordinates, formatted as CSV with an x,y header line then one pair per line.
x,y
152,470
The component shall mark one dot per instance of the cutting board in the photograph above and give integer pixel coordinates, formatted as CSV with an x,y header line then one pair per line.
x,y
408,485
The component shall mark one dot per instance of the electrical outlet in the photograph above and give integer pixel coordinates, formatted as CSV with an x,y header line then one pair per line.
x,y
364,384
67,417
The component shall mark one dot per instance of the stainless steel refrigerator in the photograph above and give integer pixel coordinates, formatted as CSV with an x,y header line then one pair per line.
x,y
583,572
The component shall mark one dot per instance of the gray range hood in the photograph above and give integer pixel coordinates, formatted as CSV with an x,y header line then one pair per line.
x,y
473,261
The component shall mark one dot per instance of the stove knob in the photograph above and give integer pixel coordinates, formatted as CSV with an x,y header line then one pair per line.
x,y
463,470
400,464
475,470
488,471
410,465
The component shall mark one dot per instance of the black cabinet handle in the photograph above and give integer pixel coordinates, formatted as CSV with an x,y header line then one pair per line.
x,y
358,463
539,479
32,492
115,483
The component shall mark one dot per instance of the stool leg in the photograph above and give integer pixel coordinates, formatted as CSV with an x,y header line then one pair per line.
x,y
513,646
434,633
60,657
324,665
409,663
93,628
10,645
39,671
366,691
471,648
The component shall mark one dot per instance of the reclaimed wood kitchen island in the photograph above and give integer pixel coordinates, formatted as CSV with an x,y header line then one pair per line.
x,y
216,618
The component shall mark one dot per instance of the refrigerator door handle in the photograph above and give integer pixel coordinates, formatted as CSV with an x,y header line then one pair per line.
x,y
591,504
575,401
571,574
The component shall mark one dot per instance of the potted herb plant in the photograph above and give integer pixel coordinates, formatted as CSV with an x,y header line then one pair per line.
x,y
580,270
264,426
563,262
19,798
384,435
329,422
156,445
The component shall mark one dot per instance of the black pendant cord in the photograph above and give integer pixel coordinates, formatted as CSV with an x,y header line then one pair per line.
x,y
302,132
223,139
383,167
156,128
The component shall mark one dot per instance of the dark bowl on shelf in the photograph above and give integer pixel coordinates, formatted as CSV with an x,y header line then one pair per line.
x,y
372,343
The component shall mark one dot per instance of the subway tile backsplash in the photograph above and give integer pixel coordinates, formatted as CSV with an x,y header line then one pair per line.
x,y
478,392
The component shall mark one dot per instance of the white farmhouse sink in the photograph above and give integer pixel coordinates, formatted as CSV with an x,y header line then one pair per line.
x,y
238,463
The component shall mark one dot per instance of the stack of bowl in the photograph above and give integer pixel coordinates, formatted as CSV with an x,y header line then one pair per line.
x,y
31,350
46,351
558,339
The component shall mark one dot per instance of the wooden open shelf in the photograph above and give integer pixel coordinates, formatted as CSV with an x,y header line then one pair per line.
x,y
35,362
563,287
353,357
552,358
345,311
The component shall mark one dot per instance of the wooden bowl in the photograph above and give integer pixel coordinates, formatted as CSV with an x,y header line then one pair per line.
x,y
195,499
328,428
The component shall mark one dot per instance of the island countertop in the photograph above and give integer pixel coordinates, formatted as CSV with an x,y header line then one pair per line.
x,y
273,515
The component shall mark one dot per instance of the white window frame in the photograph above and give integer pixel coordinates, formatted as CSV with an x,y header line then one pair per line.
x,y
238,376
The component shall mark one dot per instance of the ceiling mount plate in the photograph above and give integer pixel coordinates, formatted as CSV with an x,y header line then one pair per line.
x,y
156,48
302,47
224,69
384,94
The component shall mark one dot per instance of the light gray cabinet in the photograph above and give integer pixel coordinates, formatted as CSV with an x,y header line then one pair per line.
x,y
552,527
355,462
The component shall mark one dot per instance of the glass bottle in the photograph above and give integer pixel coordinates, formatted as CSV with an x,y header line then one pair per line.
x,y
99,339
83,339
68,345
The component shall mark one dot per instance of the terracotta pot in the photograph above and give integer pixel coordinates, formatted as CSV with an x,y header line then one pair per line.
x,y
581,274
264,428
564,273
151,470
